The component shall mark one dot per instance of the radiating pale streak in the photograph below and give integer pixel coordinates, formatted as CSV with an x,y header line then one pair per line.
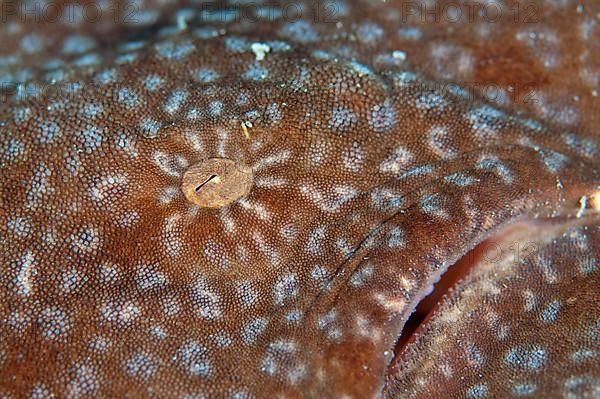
x,y
271,160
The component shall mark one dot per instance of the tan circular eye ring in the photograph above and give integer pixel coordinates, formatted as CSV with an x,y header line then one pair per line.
x,y
216,182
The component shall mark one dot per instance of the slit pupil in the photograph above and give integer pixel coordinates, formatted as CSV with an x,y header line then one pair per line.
x,y
206,181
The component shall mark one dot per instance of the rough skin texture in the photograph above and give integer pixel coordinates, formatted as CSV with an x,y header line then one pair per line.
x,y
384,144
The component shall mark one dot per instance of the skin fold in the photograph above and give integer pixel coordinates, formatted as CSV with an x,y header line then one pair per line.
x,y
355,150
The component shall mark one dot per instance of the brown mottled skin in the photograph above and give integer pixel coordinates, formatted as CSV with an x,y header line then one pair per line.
x,y
383,147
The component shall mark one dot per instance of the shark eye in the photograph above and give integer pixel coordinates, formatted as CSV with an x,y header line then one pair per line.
x,y
216,182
